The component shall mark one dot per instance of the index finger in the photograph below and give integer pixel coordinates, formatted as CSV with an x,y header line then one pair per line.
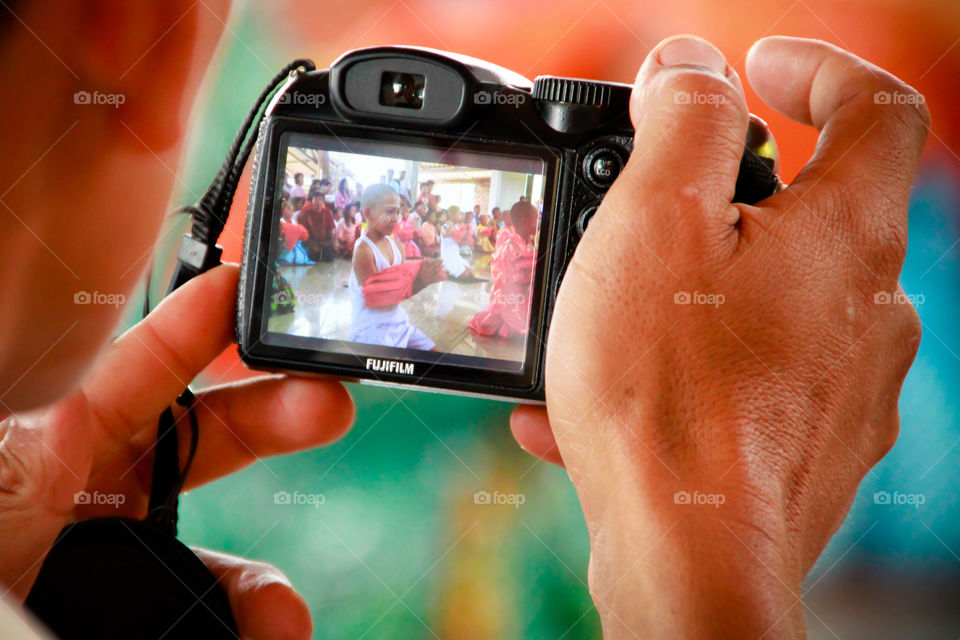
x,y
872,126
147,367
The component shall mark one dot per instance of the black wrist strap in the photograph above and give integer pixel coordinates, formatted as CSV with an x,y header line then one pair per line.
x,y
199,252
115,578
167,480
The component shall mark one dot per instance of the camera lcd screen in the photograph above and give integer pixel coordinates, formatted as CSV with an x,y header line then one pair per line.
x,y
403,253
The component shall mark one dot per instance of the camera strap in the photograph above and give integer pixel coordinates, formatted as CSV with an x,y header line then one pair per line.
x,y
199,252
112,577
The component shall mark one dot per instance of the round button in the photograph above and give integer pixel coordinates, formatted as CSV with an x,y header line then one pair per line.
x,y
603,166
584,218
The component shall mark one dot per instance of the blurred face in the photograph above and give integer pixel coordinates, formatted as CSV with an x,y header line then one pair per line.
x,y
405,213
421,209
528,227
286,212
525,222
383,217
50,328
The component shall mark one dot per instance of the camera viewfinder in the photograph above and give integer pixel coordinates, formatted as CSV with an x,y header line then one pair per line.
x,y
398,89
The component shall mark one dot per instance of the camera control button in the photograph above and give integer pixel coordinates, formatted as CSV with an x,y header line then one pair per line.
x,y
603,166
584,218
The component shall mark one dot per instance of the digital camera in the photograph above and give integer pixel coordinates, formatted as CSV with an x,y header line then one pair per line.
x,y
412,213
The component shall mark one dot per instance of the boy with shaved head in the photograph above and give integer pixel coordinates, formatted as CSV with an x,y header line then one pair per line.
x,y
374,253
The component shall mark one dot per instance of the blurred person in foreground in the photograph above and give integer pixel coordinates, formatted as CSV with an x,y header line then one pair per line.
x,y
780,399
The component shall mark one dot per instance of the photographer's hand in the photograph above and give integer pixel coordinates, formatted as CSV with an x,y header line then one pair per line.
x,y
99,439
720,377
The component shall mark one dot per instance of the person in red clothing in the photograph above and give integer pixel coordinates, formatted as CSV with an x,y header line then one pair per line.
x,y
318,220
508,313
292,233
427,196
428,236
347,231
404,232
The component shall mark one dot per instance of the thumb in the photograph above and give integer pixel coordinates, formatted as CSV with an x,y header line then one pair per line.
x,y
691,119
45,457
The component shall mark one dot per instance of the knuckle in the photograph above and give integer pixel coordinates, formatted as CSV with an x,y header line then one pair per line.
x,y
159,346
904,342
875,223
912,112
910,330
902,114
695,94
17,482
886,438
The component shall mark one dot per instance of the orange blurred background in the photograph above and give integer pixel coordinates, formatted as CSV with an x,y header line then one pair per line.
x,y
917,40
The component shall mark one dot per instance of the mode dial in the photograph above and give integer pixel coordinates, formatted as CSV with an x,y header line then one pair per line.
x,y
572,91
572,105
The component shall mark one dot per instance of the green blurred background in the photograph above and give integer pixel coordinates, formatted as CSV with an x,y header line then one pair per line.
x,y
398,548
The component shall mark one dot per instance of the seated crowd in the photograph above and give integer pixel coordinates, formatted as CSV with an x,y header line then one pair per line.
x,y
319,225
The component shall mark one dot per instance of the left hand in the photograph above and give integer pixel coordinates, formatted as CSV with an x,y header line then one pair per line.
x,y
100,438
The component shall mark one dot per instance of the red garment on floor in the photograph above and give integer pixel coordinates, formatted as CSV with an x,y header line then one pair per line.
x,y
391,286
508,313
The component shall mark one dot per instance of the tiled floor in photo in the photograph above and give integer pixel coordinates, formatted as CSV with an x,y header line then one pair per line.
x,y
441,310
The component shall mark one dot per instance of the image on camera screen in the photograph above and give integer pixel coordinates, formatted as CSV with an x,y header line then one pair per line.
x,y
405,252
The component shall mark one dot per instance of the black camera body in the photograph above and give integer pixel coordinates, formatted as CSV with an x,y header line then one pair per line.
x,y
483,134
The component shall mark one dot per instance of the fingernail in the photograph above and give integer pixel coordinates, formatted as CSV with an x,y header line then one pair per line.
x,y
688,51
